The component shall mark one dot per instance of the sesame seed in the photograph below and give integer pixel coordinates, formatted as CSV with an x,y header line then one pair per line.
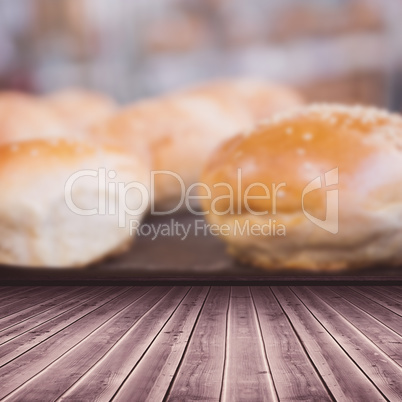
x,y
380,123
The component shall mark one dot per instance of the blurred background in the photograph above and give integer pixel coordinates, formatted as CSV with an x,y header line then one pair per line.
x,y
332,50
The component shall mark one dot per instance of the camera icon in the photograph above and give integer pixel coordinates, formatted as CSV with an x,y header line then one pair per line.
x,y
331,221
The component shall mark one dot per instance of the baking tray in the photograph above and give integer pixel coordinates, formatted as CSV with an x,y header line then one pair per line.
x,y
195,259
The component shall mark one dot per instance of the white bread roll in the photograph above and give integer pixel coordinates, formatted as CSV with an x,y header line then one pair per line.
x,y
23,117
37,225
341,205
81,108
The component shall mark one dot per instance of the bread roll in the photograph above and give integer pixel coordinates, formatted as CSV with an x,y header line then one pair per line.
x,y
183,128
23,117
181,132
259,98
80,108
50,218
333,195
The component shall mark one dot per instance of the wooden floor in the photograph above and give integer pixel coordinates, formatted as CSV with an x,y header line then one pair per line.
x,y
201,343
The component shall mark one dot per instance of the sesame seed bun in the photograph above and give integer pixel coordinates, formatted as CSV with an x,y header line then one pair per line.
x,y
334,175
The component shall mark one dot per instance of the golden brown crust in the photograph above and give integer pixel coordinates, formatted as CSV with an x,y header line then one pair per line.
x,y
299,146
363,145
39,156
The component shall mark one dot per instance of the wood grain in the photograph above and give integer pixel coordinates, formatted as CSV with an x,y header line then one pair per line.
x,y
384,300
246,374
28,299
11,293
13,346
38,358
386,339
37,309
382,314
179,343
344,379
377,366
151,378
295,377
29,324
392,291
200,374
48,384
105,378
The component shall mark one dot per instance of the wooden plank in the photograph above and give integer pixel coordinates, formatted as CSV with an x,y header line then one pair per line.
x,y
389,291
95,364
17,297
152,376
200,374
18,371
385,301
343,378
105,378
28,299
18,345
11,332
246,374
49,384
13,292
295,378
386,339
20,316
382,314
377,366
